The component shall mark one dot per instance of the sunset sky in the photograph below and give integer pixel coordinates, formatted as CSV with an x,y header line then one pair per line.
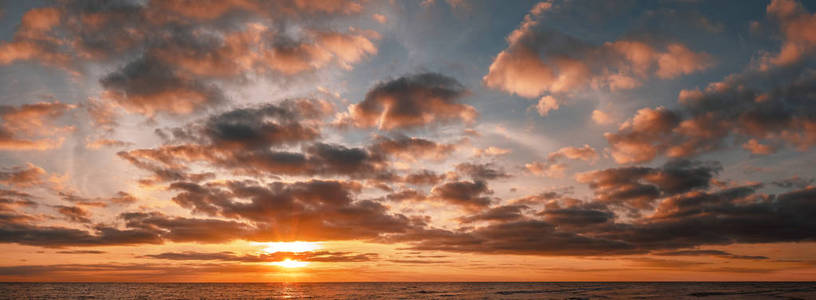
x,y
334,140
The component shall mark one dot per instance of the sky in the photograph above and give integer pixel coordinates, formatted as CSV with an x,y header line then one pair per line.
x,y
335,140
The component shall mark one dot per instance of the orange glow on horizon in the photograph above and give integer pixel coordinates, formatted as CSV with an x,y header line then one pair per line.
x,y
288,263
272,247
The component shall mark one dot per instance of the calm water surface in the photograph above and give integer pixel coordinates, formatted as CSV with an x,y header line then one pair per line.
x,y
704,290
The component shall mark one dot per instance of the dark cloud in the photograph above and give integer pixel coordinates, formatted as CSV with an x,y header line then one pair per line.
x,y
55,237
572,217
529,237
471,195
256,128
793,182
487,171
736,215
181,229
248,140
74,213
499,214
183,56
411,101
639,187
311,210
423,177
148,86
764,110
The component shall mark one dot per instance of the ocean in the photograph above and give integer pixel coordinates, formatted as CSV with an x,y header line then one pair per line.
x,y
425,290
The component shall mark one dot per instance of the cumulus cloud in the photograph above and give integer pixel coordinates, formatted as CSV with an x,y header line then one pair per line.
x,y
639,187
735,107
471,195
148,86
184,53
252,141
411,101
540,62
762,109
796,26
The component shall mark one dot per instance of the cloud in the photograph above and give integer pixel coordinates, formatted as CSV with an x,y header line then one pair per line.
x,y
470,195
793,182
423,177
409,102
525,237
55,237
258,140
546,104
258,127
148,86
691,219
35,122
554,167
74,213
382,19
503,213
105,143
32,40
410,148
600,117
294,211
491,151
733,108
796,26
538,62
184,54
763,109
639,187
22,176
486,171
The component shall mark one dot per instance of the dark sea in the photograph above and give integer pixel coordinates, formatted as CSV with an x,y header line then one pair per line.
x,y
470,290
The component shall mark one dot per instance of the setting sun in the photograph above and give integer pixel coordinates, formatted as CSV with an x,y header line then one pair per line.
x,y
288,263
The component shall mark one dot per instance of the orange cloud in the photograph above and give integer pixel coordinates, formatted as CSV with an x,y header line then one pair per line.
x,y
35,122
797,26
539,62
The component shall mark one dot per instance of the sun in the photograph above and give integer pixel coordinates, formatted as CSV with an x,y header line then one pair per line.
x,y
272,247
288,263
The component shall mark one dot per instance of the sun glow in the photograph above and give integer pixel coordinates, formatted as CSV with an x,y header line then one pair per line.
x,y
288,263
273,247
